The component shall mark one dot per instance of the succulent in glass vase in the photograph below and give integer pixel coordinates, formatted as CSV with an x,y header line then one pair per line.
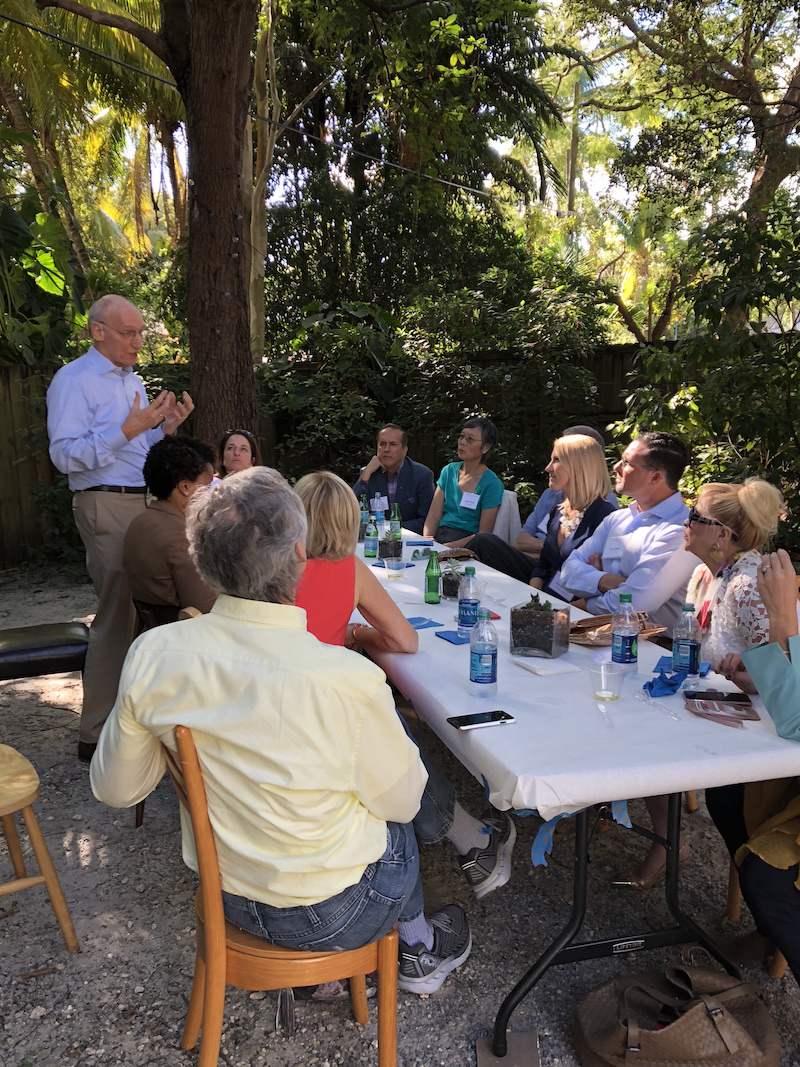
x,y
539,629
451,579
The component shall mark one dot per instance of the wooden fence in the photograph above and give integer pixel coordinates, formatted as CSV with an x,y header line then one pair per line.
x,y
25,468
26,474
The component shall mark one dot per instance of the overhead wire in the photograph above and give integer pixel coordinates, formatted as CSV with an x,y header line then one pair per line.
x,y
340,146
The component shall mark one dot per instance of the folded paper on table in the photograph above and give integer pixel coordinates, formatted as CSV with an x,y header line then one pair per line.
x,y
562,665
419,622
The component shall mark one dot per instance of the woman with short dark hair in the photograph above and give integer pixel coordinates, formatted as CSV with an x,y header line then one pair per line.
x,y
468,494
156,553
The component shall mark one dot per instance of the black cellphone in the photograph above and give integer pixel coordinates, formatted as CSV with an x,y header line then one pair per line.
x,y
731,697
480,719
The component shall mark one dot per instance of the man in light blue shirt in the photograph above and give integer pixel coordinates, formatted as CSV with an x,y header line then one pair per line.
x,y
640,549
101,428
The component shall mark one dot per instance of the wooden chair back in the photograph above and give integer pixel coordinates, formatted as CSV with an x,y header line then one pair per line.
x,y
227,954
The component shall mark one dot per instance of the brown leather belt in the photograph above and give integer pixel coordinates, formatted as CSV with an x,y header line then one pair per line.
x,y
138,489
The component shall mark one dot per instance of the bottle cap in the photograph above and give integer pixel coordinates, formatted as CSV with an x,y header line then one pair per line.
x,y
483,613
688,607
625,598
469,570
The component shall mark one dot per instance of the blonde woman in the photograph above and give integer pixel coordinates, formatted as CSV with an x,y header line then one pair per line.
x,y
726,529
335,581
578,469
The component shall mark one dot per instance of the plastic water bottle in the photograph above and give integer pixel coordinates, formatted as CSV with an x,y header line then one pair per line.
x,y
379,515
483,656
686,646
625,635
371,539
469,602
396,521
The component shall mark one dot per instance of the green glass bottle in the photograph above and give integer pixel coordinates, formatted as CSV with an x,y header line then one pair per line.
x,y
433,574
371,539
396,521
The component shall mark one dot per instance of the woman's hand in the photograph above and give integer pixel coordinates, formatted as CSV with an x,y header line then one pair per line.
x,y
777,587
735,671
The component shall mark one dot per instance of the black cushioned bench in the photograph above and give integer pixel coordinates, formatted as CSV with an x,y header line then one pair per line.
x,y
50,648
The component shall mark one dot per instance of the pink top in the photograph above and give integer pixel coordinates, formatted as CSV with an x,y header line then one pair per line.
x,y
327,592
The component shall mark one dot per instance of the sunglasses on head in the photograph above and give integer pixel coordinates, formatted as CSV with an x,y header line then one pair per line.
x,y
703,520
244,433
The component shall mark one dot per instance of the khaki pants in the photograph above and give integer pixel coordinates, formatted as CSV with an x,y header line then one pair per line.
x,y
102,520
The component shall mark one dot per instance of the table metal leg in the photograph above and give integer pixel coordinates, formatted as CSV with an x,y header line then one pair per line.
x,y
561,950
548,957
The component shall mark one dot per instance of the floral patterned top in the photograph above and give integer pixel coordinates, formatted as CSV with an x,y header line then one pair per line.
x,y
730,612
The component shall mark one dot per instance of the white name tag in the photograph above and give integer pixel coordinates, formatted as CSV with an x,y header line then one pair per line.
x,y
613,549
380,503
470,500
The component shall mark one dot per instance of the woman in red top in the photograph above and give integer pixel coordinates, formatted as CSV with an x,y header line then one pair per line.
x,y
335,581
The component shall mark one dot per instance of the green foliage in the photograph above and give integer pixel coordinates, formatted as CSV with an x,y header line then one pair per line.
x,y
40,289
734,392
338,379
513,352
519,360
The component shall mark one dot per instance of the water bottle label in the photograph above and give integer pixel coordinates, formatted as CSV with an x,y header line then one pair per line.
x,y
468,613
483,667
432,585
685,656
395,527
624,648
370,546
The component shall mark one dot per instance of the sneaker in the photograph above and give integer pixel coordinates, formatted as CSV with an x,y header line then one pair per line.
x,y
423,970
488,868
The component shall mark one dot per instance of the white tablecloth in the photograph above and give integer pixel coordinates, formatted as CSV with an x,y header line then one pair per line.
x,y
560,755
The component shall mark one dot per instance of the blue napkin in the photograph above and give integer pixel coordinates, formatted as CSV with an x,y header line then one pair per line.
x,y
453,637
380,563
665,664
543,842
419,622
665,685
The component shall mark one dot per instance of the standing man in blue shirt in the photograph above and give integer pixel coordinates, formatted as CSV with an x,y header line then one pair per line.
x,y
101,427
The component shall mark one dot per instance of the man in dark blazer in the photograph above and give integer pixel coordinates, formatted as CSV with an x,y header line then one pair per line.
x,y
392,475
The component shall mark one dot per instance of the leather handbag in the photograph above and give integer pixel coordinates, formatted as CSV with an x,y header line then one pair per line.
x,y
680,1017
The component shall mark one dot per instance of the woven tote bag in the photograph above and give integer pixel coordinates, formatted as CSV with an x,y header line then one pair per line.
x,y
680,1017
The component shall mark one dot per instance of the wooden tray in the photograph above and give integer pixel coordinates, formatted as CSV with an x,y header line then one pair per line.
x,y
596,632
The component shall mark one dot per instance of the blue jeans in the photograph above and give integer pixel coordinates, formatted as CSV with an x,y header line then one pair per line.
x,y
390,891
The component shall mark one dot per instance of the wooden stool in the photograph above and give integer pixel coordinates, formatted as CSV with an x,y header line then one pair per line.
x,y
19,787
733,907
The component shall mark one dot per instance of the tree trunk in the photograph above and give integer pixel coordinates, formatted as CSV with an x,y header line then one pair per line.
x,y
166,130
216,91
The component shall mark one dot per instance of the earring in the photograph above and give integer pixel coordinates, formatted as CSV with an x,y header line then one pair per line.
x,y
716,552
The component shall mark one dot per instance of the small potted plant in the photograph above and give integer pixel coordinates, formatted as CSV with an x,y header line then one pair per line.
x,y
539,629
451,579
390,547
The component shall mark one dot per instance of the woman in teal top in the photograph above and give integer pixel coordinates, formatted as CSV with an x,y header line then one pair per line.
x,y
468,494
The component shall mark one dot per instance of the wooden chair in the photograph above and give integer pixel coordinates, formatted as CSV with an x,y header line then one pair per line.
x,y
19,788
226,954
733,906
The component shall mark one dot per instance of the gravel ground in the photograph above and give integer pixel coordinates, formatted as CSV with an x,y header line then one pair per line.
x,y
122,999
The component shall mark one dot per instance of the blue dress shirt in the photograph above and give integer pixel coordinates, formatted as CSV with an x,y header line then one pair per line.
x,y
87,403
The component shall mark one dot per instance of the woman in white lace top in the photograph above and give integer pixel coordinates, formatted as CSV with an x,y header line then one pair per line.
x,y
726,529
